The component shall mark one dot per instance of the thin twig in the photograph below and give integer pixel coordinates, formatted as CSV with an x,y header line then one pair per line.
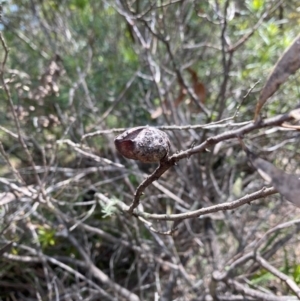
x,y
16,120
283,277
212,125
77,148
209,142
246,37
264,192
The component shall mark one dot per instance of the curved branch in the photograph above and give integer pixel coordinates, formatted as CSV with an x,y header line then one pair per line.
x,y
170,161
203,211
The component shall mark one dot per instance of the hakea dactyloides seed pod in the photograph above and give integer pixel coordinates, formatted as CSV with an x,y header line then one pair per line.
x,y
146,144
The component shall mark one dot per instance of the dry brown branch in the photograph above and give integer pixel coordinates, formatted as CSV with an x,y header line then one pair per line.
x,y
264,192
80,221
98,274
11,105
257,294
77,148
172,160
283,277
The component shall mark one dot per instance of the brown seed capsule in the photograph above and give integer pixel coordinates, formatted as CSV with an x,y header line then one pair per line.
x,y
146,144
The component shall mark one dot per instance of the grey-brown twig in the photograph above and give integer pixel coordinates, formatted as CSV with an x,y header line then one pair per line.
x,y
169,162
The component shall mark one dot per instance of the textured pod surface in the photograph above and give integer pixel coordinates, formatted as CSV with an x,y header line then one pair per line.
x,y
146,144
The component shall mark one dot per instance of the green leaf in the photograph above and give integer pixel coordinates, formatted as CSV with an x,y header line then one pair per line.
x,y
296,274
237,187
46,237
257,4
262,277
81,4
110,208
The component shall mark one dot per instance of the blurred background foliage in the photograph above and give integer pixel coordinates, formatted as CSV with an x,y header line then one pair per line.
x,y
78,66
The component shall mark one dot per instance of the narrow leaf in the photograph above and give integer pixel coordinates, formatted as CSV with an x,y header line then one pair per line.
x,y
288,185
287,64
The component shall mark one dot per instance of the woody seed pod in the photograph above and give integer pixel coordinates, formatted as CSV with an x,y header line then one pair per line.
x,y
146,144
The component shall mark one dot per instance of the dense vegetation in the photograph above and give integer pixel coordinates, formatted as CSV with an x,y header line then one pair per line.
x,y
75,74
